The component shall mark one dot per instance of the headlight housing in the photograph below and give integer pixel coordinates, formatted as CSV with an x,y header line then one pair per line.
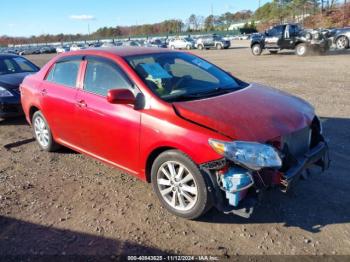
x,y
251,155
4,92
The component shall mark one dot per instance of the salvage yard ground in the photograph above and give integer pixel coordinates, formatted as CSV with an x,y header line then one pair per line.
x,y
67,203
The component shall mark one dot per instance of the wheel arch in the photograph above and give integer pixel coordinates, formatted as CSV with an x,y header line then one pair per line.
x,y
31,112
152,156
342,35
256,43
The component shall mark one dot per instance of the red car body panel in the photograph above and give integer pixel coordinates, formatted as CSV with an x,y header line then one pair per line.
x,y
255,113
124,137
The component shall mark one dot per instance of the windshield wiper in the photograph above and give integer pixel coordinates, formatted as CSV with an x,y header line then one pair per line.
x,y
193,96
216,91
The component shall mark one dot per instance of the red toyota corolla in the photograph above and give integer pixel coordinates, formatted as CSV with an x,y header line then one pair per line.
x,y
201,136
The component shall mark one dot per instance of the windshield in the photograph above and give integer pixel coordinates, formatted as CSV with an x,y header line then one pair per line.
x,y
181,76
13,65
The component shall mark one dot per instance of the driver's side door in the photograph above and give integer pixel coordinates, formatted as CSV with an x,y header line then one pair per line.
x,y
109,132
273,37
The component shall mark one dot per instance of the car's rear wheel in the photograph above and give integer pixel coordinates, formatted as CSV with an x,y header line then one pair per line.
x,y
42,133
188,47
342,43
200,47
179,185
172,47
256,49
301,49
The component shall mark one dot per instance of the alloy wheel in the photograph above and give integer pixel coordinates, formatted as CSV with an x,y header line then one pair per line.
x,y
342,43
301,50
41,131
256,50
177,186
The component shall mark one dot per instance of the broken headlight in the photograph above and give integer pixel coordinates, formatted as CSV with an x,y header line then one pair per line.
x,y
251,155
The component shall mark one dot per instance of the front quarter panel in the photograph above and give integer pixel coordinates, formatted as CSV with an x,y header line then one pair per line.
x,y
164,128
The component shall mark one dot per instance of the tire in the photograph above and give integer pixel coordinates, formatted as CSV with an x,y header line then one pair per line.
x,y
172,47
200,47
256,49
301,50
218,46
342,43
189,203
188,47
273,52
42,133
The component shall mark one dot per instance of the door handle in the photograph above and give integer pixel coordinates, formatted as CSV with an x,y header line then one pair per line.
x,y
81,103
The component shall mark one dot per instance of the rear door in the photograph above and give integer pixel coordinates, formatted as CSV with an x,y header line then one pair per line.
x,y
58,99
288,41
110,132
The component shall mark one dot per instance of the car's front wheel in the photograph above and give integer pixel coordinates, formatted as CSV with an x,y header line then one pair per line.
x,y
42,133
342,43
180,185
256,49
200,47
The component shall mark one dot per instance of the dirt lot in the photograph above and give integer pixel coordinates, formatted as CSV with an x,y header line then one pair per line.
x,y
67,203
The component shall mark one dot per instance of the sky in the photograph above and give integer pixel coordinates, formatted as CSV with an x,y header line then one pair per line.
x,y
35,17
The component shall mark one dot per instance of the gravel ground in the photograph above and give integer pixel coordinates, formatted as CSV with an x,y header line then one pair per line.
x,y
67,203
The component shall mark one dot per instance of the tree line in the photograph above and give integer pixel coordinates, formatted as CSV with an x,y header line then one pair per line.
x,y
315,13
195,23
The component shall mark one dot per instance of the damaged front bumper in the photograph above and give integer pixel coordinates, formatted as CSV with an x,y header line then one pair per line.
x,y
319,155
286,179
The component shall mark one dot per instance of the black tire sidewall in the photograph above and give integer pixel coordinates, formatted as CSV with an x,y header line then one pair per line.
x,y
203,203
51,145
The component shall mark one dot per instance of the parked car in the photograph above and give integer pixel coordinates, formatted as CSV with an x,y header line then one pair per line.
x,y
212,41
13,69
292,37
341,38
62,49
76,47
133,43
157,43
201,136
181,43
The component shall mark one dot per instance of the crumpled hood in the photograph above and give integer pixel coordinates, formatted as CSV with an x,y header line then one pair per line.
x,y
255,113
12,80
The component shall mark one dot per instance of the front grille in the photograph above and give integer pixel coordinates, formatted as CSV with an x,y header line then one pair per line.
x,y
297,143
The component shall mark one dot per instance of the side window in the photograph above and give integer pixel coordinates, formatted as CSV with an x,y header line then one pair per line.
x,y
64,73
293,30
103,76
276,31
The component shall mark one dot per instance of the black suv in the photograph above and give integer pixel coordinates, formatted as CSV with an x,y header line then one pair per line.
x,y
292,37
212,41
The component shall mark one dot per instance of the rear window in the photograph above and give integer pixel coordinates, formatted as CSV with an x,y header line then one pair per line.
x,y
64,73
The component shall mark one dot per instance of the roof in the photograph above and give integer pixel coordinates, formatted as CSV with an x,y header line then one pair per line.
x,y
121,51
4,55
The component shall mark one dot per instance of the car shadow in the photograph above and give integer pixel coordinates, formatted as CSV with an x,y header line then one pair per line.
x,y
21,239
321,200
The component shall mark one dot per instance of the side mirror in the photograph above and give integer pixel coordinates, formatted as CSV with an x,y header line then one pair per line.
x,y
121,96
